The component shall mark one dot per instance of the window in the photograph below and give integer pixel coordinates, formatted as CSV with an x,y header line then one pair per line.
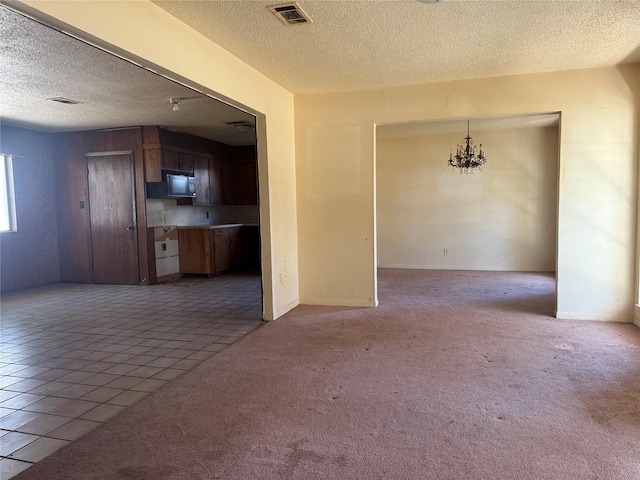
x,y
7,196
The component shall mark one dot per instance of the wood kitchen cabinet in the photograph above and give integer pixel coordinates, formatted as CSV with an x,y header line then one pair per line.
x,y
211,250
238,247
195,246
215,181
239,183
177,162
224,175
207,173
221,249
201,174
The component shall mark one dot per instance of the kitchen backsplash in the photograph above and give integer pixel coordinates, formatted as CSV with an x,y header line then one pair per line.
x,y
166,212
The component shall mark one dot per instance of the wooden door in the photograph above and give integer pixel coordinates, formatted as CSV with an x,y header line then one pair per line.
x,y
113,219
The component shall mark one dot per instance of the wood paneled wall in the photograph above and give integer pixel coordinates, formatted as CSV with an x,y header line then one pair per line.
x,y
29,256
74,232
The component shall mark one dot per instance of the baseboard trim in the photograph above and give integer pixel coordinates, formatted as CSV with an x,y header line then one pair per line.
x,y
332,302
281,311
459,267
616,318
636,315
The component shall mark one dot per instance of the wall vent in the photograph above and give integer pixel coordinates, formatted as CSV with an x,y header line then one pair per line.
x,y
290,13
66,101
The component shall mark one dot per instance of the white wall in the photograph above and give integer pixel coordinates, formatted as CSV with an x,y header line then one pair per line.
x,y
141,30
335,154
501,219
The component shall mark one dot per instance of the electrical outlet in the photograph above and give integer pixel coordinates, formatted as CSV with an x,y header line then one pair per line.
x,y
446,252
206,214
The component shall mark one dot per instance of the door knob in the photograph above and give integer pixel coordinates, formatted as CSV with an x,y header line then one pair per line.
x,y
130,227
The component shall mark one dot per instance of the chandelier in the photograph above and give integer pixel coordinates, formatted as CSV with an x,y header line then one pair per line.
x,y
466,159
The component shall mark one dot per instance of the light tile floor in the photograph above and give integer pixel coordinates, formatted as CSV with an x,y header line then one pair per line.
x,y
73,356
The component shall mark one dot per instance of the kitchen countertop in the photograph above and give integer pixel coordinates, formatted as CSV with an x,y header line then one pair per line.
x,y
225,225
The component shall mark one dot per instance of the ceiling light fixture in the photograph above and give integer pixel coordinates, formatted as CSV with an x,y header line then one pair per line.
x,y
431,1
466,159
176,103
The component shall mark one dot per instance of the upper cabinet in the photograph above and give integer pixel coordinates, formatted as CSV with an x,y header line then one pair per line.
x,y
207,181
224,175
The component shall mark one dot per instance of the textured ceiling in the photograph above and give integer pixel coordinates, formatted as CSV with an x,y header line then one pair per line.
x,y
349,45
377,43
40,63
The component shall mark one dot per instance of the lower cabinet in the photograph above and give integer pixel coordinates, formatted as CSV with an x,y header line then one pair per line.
x,y
212,250
221,249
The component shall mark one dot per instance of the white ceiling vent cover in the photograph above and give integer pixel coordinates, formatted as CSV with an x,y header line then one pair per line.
x,y
290,13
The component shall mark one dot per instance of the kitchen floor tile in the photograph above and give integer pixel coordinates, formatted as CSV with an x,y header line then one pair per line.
x,y
10,468
46,405
43,424
145,372
120,369
75,391
168,374
127,398
102,394
124,382
17,419
15,441
21,401
186,364
99,379
7,394
66,349
75,408
39,449
149,385
74,429
163,362
103,412
49,388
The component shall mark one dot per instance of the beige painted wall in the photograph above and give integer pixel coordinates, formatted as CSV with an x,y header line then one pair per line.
x,y
501,219
335,157
140,28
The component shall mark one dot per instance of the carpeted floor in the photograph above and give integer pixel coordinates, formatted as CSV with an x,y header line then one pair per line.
x,y
457,375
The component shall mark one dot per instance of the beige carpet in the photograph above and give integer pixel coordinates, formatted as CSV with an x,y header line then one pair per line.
x,y
457,375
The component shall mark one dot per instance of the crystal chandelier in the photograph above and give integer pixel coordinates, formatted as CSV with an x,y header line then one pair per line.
x,y
466,159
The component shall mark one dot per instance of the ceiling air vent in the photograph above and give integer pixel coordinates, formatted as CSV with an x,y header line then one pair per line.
x,y
242,126
66,101
290,13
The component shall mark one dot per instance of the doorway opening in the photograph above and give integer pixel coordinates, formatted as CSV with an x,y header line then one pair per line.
x,y
117,93
429,216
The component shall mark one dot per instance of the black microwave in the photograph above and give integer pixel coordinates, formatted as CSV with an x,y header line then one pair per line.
x,y
174,186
